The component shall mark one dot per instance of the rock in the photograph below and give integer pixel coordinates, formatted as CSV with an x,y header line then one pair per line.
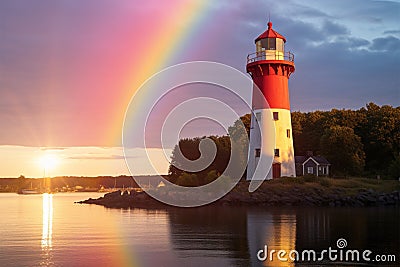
x,y
265,196
113,194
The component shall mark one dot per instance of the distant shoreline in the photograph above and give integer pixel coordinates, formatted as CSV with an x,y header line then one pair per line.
x,y
73,183
302,191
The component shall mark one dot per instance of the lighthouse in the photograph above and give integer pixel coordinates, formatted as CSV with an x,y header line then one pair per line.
x,y
270,68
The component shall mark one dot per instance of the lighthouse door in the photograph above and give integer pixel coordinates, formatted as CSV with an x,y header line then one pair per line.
x,y
276,170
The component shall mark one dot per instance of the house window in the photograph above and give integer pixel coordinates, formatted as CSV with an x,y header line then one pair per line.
x,y
276,116
310,170
276,152
288,133
258,152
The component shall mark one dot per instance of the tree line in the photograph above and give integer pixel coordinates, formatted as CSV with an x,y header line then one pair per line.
x,y
363,142
356,142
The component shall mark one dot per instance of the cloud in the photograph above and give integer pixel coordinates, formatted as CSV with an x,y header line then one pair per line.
x,y
357,42
333,75
97,157
389,44
330,28
294,9
52,148
392,32
63,63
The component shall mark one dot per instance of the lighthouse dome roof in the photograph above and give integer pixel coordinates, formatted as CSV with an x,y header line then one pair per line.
x,y
270,33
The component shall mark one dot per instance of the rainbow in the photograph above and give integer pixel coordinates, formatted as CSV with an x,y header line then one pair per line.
x,y
166,42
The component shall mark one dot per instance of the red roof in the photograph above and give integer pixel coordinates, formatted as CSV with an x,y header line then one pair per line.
x,y
270,33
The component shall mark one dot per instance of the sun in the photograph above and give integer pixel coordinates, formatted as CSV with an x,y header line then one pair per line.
x,y
48,162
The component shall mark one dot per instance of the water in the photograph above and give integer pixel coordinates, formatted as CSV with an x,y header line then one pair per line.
x,y
50,230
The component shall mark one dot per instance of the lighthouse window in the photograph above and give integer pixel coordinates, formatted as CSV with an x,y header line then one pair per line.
x,y
264,43
279,45
268,43
258,152
271,43
276,152
288,133
276,116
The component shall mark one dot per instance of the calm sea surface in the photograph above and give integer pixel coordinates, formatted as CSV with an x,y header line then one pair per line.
x,y
50,230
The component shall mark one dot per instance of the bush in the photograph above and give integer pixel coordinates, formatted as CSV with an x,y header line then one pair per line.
x,y
223,183
394,168
290,180
324,182
188,180
311,178
298,180
210,177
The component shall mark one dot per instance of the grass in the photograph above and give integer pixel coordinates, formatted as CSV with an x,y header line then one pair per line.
x,y
311,185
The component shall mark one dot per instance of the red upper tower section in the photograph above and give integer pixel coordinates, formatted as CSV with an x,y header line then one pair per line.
x,y
270,33
270,68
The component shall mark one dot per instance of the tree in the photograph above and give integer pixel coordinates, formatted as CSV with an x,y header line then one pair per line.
x,y
343,148
313,128
298,119
188,180
372,134
211,176
381,136
190,151
394,168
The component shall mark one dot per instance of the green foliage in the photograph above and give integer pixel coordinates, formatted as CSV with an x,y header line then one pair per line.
x,y
289,180
377,127
394,168
190,151
188,180
344,150
236,129
211,176
189,148
324,182
310,178
352,140
381,136
223,183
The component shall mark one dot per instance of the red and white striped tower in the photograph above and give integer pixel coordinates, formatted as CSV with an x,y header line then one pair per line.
x,y
270,68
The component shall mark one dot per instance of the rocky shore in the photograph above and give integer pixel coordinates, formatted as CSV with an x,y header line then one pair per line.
x,y
282,195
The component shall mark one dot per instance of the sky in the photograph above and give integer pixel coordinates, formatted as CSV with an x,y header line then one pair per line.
x,y
69,68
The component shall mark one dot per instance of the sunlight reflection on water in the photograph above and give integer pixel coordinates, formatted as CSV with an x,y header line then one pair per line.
x,y
50,230
47,229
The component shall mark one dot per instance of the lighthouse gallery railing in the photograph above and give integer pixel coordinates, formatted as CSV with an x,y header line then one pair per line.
x,y
270,55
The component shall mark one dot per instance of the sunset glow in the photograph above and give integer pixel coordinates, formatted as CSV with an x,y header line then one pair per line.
x,y
68,81
49,162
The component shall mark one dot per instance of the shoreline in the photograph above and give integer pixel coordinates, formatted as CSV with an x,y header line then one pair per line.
x,y
283,192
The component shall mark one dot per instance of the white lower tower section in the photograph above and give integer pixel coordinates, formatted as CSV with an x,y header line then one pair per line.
x,y
278,144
